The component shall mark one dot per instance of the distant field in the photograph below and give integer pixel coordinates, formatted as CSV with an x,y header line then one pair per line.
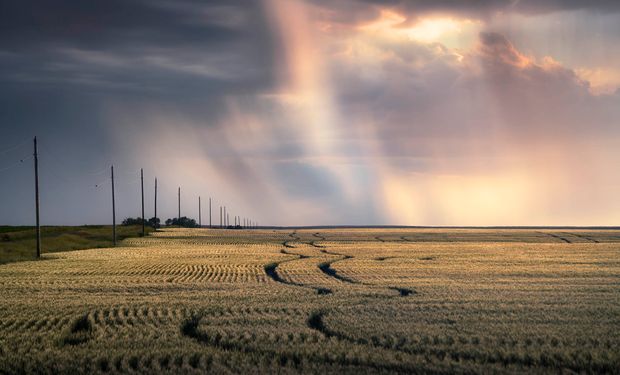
x,y
19,243
328,301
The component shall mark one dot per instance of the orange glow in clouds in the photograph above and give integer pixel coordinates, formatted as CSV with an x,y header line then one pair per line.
x,y
450,31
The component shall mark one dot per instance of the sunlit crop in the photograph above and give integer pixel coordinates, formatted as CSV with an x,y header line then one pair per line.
x,y
316,301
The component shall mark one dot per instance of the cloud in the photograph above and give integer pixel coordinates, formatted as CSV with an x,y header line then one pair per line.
x,y
300,113
159,47
484,117
356,11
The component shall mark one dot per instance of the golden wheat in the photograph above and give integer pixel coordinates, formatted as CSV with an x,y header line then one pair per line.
x,y
335,300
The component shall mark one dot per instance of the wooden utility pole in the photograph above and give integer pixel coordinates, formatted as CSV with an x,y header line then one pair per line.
x,y
142,192
36,196
199,213
156,203
179,215
209,212
113,208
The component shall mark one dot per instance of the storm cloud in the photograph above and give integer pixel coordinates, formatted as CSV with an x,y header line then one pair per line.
x,y
312,112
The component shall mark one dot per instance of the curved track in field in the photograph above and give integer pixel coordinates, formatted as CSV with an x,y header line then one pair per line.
x,y
556,237
316,322
583,237
271,269
272,272
192,328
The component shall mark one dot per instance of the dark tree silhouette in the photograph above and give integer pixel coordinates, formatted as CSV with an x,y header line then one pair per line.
x,y
183,222
132,221
154,222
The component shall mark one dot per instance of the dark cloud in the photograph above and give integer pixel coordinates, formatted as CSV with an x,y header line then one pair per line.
x,y
152,47
65,66
124,22
188,90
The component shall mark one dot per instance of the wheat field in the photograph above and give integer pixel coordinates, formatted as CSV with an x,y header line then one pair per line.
x,y
322,300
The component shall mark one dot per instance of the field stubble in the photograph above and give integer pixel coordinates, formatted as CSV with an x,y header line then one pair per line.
x,y
358,300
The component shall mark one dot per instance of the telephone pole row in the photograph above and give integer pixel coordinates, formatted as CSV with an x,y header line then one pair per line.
x,y
36,195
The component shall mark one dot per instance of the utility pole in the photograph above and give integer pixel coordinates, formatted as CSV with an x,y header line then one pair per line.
x,y
113,208
142,191
199,213
209,212
179,215
156,203
36,196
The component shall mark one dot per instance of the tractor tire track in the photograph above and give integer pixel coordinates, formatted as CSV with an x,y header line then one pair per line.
x,y
315,321
294,237
326,268
584,237
319,236
272,272
381,259
80,331
313,243
556,237
191,329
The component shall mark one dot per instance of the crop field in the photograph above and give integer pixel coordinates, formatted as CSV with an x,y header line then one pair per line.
x,y
315,301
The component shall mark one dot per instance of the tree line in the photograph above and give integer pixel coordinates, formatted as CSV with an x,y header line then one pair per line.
x,y
155,222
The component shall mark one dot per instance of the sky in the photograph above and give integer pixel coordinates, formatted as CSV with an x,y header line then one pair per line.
x,y
313,112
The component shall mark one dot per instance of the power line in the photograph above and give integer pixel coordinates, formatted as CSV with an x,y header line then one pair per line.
x,y
51,156
21,161
9,149
102,183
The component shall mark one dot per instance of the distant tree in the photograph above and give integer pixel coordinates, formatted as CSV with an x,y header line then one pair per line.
x,y
154,222
183,222
132,221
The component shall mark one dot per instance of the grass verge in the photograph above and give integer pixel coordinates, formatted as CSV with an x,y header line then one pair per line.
x,y
19,243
